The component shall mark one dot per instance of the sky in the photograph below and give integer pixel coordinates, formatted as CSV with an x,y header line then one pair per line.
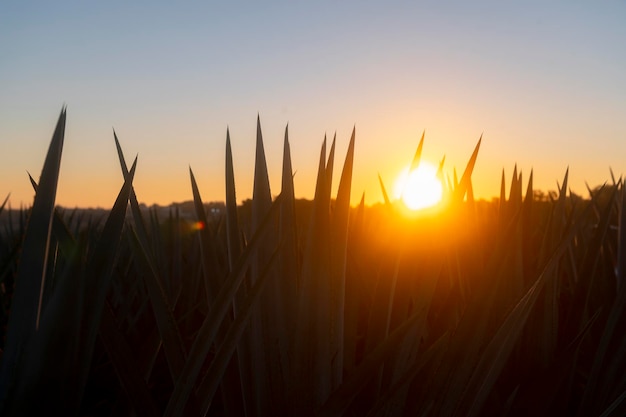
x,y
544,83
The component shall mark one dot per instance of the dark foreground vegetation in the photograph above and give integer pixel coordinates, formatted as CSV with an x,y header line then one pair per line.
x,y
285,307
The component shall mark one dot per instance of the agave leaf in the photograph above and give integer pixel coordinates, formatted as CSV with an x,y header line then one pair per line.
x,y
100,267
233,233
384,191
140,225
266,321
461,189
527,211
340,399
598,381
60,229
418,154
588,267
502,208
379,322
612,176
154,251
621,256
441,177
515,190
288,258
228,346
499,348
25,310
338,260
287,230
353,288
312,361
166,323
212,270
4,203
330,164
261,194
78,304
218,310
63,240
50,371
177,257
476,324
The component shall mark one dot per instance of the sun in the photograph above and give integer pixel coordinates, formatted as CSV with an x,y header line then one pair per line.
x,y
420,188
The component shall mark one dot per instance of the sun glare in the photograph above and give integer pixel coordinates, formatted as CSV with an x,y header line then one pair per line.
x,y
420,188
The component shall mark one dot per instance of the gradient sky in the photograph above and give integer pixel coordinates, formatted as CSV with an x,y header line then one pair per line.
x,y
544,82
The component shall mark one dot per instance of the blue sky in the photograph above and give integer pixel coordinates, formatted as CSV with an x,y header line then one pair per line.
x,y
543,83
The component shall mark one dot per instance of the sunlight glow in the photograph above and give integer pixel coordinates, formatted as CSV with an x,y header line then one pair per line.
x,y
420,188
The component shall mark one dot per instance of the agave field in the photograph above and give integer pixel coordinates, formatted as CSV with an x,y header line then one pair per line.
x,y
289,307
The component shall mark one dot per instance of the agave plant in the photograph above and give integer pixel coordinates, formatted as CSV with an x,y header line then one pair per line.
x,y
290,307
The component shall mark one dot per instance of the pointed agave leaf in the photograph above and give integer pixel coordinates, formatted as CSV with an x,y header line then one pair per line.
x,y
514,188
100,269
77,303
50,370
580,302
25,309
142,231
59,227
340,399
461,189
353,286
384,191
470,195
496,353
312,361
63,240
418,154
206,334
211,268
265,320
499,348
287,231
338,260
621,257
232,393
330,164
222,357
4,203
261,194
597,382
233,233
612,176
528,247
502,208
288,259
172,342
442,178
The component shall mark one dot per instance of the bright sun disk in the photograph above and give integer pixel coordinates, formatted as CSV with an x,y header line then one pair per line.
x,y
419,188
